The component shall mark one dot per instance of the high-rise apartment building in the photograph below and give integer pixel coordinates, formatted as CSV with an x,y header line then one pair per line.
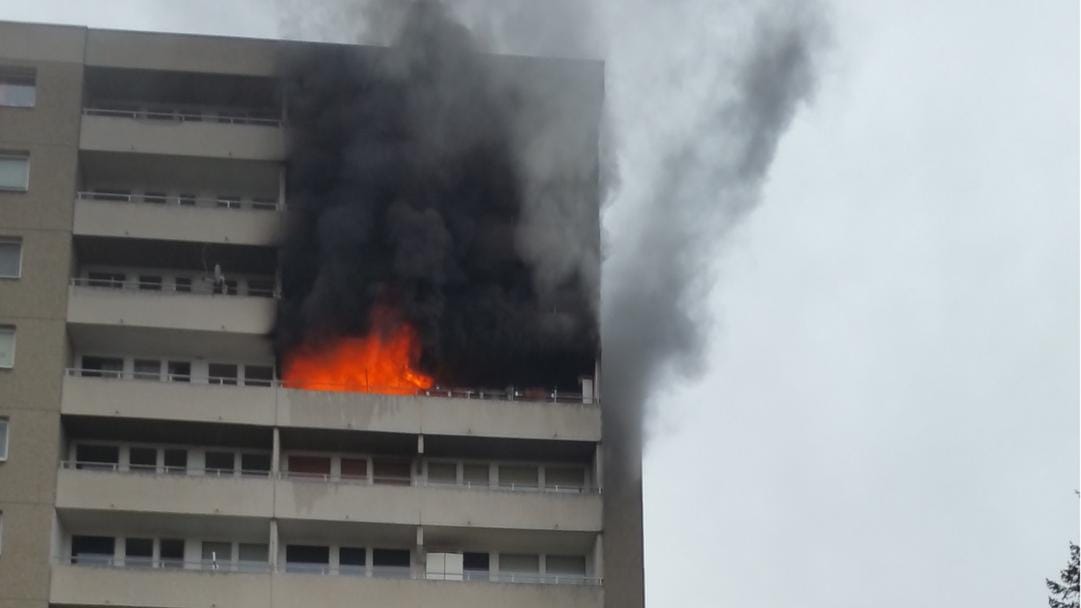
x,y
149,454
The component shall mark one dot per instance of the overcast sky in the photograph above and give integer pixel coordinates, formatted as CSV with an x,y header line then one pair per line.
x,y
888,409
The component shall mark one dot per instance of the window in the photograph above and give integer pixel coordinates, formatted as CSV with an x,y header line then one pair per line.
x,y
252,557
517,476
179,371
517,562
391,562
109,195
97,457
354,468
306,558
143,459
148,369
309,466
392,472
352,560
11,257
571,479
264,204
475,474
176,461
139,552
4,438
565,565
182,284
18,87
258,375
442,472
475,562
220,463
154,197
92,549
227,286
14,171
229,202
255,464
7,346
222,373
186,200
172,553
217,555
150,282
102,367
114,280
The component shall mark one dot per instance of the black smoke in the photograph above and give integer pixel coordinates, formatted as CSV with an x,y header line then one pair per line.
x,y
411,184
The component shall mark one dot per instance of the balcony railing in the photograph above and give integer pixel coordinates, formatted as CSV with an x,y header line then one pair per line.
x,y
114,467
180,200
519,396
383,572
180,114
199,288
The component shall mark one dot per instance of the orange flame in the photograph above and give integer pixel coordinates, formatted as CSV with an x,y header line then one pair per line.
x,y
381,362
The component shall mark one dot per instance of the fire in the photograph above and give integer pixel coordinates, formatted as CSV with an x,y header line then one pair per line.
x,y
382,362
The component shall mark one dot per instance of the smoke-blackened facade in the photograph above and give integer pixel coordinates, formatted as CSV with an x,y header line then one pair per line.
x,y
456,189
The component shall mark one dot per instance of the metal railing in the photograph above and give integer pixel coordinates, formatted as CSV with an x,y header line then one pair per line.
x,y
562,398
146,469
182,114
114,467
93,560
198,287
179,200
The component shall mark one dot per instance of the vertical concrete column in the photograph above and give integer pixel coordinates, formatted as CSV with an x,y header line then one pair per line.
x,y
276,453
540,476
598,467
493,475
598,557
419,559
272,549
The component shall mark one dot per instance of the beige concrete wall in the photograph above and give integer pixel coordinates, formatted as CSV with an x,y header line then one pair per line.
x,y
438,416
208,139
436,506
180,52
195,494
36,303
191,224
235,314
87,586
168,401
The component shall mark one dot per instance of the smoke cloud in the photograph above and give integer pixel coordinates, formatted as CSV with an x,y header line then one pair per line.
x,y
448,186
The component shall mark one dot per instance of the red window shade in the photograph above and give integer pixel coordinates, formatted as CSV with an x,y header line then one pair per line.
x,y
309,465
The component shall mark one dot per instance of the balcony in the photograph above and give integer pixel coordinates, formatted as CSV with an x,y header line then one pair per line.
x,y
437,505
177,218
434,413
94,486
134,305
182,131
193,586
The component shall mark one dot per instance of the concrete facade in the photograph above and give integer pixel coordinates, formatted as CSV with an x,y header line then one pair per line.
x,y
153,457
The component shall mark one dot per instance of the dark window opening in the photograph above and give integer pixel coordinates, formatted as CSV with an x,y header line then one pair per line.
x,y
258,375
255,464
92,549
392,472
306,558
354,468
148,369
97,457
114,280
143,459
150,282
102,367
391,562
139,552
220,463
309,466
187,200
176,461
154,197
223,373
352,559
179,371
172,553
182,284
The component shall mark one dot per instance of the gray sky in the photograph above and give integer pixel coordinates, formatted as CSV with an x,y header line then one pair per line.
x,y
887,409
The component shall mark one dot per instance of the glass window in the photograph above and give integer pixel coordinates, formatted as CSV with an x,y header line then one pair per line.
x,y
574,565
227,286
154,197
252,557
92,549
255,464
186,199
217,554
14,171
258,375
148,369
4,424
354,468
223,373
179,371
442,472
176,461
475,562
519,562
352,556
103,457
229,202
18,87
392,472
102,367
220,462
565,478
11,257
143,459
475,474
182,284
172,553
309,466
139,552
517,476
7,346
391,562
306,558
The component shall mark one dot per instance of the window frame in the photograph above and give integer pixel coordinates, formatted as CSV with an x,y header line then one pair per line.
x,y
5,430
9,329
17,155
17,240
11,74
